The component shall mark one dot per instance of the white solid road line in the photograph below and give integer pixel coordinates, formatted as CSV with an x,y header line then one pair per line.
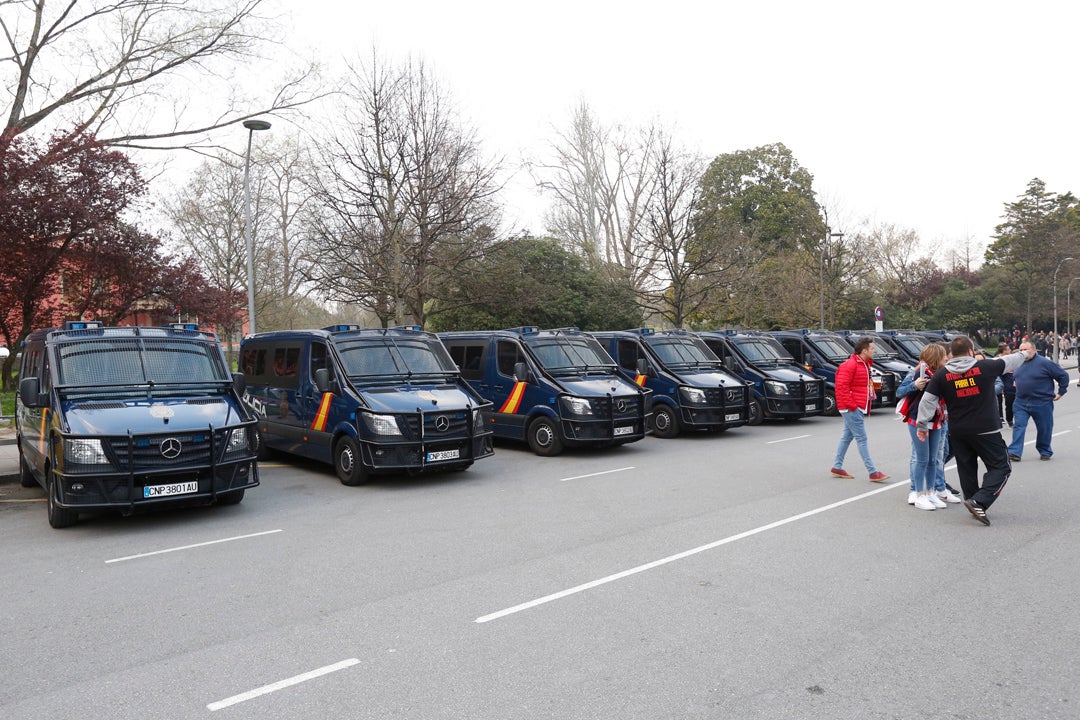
x,y
679,556
797,437
281,684
188,547
603,472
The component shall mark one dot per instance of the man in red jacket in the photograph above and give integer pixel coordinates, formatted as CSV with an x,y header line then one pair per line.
x,y
854,394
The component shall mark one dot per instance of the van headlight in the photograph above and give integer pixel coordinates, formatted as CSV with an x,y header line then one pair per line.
x,y
238,440
478,420
776,387
383,425
84,452
577,406
692,396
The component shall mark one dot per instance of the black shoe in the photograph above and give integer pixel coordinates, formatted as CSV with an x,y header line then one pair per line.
x,y
1044,457
951,489
977,511
1014,458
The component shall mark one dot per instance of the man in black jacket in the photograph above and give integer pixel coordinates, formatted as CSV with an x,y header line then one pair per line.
x,y
967,386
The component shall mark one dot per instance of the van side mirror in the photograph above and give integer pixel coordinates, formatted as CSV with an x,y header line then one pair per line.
x,y
729,364
522,374
642,366
30,392
322,379
809,362
239,382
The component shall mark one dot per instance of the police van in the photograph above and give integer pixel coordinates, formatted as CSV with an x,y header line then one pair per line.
x,y
368,401
821,352
780,388
690,388
127,418
552,388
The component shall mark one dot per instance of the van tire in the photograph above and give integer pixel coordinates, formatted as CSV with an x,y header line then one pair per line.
x,y
263,453
757,415
665,422
233,497
26,478
58,517
544,438
347,462
830,404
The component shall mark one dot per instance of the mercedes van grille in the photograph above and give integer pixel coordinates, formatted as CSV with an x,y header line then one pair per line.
x,y
160,450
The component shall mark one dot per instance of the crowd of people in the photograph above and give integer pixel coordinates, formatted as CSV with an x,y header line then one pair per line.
x,y
954,404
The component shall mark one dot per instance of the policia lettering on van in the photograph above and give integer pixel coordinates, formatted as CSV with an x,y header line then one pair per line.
x,y
690,388
781,388
821,352
368,401
127,418
553,388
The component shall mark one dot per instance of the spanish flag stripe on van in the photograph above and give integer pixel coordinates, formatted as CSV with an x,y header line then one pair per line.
x,y
514,401
640,380
319,423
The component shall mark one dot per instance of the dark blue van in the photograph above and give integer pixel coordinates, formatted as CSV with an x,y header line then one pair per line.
x,y
552,388
886,355
129,418
821,352
690,388
780,388
368,401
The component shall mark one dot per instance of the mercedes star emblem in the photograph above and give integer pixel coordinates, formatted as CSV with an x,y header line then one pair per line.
x,y
170,448
442,423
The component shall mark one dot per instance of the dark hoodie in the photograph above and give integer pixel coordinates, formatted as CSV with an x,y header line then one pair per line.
x,y
967,385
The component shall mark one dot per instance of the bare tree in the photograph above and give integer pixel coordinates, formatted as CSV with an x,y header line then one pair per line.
x,y
601,180
405,194
107,67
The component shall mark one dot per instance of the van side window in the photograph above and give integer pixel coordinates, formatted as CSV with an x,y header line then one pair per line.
x,y
469,359
795,348
285,373
320,358
629,352
509,354
253,361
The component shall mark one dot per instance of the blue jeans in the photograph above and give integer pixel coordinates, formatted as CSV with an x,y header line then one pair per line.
x,y
1043,415
943,456
926,458
854,429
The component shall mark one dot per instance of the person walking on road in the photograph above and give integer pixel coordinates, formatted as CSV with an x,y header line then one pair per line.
x,y
854,395
967,386
1035,398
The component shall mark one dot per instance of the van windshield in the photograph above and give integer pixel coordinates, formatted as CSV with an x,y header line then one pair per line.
x,y
763,350
571,353
138,362
682,351
835,350
387,356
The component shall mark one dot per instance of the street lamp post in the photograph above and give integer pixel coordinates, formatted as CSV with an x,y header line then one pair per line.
x,y
1068,305
1057,338
252,126
821,271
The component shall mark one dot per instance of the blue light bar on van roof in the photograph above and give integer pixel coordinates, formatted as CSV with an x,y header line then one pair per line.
x,y
184,326
341,328
413,328
526,329
646,331
83,325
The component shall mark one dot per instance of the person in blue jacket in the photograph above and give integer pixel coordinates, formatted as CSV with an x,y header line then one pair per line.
x,y
1035,397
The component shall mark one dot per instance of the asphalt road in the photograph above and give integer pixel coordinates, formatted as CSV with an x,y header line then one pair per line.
x,y
711,576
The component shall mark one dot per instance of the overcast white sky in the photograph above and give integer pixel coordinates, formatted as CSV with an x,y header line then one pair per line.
x,y
928,115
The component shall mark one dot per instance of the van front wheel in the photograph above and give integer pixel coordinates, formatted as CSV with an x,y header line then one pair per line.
x,y
59,517
665,424
26,478
544,437
347,462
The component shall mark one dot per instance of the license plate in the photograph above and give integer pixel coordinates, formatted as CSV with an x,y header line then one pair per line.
x,y
810,407
442,455
625,430
885,399
151,491
732,416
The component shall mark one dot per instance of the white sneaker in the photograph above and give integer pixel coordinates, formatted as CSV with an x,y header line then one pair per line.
x,y
938,502
911,497
949,497
923,502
